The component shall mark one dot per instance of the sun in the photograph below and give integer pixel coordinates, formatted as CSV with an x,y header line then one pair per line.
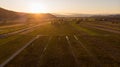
x,y
37,8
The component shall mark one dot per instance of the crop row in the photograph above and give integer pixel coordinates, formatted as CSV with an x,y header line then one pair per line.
x,y
70,51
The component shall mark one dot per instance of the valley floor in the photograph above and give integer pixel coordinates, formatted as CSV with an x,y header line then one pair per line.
x,y
62,45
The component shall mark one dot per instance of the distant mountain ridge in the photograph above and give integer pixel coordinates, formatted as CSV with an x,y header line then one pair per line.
x,y
73,15
87,15
109,16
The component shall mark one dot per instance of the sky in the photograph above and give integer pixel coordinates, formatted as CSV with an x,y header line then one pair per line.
x,y
63,6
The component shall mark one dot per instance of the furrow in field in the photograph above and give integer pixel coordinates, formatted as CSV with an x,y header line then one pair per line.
x,y
9,48
85,31
106,51
18,52
103,25
58,54
12,28
23,31
83,54
31,56
71,50
9,26
104,29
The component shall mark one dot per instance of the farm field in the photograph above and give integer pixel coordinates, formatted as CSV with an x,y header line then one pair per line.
x,y
4,30
106,25
62,43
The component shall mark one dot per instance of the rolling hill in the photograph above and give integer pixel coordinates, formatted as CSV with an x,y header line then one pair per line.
x,y
12,15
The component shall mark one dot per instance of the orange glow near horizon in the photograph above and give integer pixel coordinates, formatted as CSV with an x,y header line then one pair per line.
x,y
36,8
63,6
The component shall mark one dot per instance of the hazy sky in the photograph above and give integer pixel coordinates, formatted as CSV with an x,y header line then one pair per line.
x,y
63,6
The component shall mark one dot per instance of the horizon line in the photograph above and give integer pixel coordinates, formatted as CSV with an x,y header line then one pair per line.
x,y
56,13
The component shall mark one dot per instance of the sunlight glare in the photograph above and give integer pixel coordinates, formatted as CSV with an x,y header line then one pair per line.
x,y
37,8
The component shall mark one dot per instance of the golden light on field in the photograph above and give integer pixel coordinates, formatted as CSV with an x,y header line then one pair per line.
x,y
37,8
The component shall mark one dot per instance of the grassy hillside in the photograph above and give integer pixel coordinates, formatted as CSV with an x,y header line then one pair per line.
x,y
8,15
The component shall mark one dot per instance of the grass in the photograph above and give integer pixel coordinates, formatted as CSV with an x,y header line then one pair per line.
x,y
53,30
12,29
99,32
105,48
4,30
34,52
58,53
86,30
96,49
107,26
7,49
5,40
